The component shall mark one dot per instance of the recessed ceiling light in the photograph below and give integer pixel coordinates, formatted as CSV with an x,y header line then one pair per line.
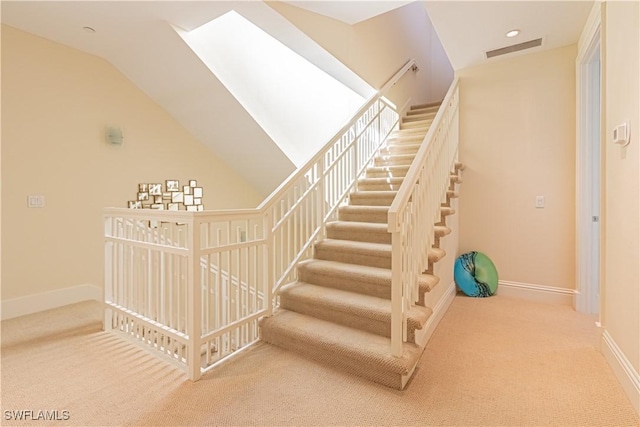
x,y
88,29
513,33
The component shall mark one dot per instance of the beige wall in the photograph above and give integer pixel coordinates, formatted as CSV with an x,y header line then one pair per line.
x,y
621,290
517,130
56,103
376,48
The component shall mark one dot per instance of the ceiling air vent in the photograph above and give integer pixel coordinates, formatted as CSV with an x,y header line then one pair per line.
x,y
514,48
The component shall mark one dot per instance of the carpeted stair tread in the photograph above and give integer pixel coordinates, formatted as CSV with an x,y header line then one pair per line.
x,y
382,184
400,148
359,231
436,254
372,198
399,171
441,230
419,115
447,210
369,280
328,303
330,342
363,253
377,214
430,105
394,159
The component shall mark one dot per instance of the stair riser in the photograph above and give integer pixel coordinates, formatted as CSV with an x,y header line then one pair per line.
x,y
362,200
327,356
380,260
379,186
415,125
377,217
317,310
373,236
393,161
400,149
346,283
387,174
419,116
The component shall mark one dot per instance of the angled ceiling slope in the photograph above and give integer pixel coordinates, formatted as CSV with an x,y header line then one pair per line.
x,y
137,37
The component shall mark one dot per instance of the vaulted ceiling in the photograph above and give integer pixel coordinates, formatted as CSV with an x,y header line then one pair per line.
x,y
137,37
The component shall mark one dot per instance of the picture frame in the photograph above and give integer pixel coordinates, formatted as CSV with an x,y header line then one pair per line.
x,y
197,192
143,188
192,208
197,201
173,206
188,200
135,204
143,196
155,189
186,189
158,206
172,185
166,196
193,183
157,199
177,197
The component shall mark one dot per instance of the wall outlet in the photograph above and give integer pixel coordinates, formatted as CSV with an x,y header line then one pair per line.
x,y
35,201
539,201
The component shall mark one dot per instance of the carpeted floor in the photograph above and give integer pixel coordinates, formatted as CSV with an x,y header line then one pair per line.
x,y
493,361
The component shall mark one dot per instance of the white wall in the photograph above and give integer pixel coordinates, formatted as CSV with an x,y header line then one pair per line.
x,y
621,249
56,103
517,140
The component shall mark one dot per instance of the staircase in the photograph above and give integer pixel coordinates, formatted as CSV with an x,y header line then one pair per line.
x,y
339,310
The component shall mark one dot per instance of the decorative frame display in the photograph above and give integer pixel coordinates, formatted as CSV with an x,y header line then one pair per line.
x,y
152,196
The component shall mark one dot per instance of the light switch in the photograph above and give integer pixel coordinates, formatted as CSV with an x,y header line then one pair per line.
x,y
539,201
35,201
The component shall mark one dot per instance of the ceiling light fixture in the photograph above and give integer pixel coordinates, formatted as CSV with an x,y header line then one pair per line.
x,y
513,33
88,29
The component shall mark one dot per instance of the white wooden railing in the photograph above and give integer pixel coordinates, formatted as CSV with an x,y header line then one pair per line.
x,y
193,285
415,210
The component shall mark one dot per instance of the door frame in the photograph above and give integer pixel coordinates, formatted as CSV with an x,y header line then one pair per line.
x,y
589,157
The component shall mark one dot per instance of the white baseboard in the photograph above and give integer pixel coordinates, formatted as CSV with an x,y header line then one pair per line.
x,y
47,300
537,293
424,335
628,377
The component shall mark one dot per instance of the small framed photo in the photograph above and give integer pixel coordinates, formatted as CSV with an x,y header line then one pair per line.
x,y
193,183
143,196
186,189
146,205
172,185
143,188
188,199
155,189
197,192
197,201
192,208
166,196
177,197
158,206
135,204
173,206
200,208
157,199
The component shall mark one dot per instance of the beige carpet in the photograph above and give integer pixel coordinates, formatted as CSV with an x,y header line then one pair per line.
x,y
493,361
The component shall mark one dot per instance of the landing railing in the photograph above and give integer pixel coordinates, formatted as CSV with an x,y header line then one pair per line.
x,y
193,285
415,210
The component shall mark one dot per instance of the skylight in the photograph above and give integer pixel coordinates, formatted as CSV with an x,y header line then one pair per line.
x,y
296,103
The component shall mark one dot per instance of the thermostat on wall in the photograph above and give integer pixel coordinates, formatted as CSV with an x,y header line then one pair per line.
x,y
621,134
